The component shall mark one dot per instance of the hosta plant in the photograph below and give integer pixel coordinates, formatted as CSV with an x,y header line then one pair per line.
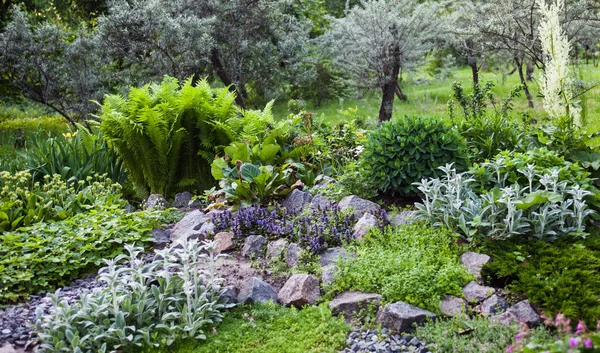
x,y
140,304
405,150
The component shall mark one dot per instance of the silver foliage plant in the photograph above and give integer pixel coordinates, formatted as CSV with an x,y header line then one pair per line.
x,y
545,208
140,304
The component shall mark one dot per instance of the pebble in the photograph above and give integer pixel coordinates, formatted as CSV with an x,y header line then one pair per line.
x,y
382,342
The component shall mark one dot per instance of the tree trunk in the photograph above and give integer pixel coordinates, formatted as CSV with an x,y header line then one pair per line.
x,y
400,94
519,64
472,60
529,73
389,89
215,59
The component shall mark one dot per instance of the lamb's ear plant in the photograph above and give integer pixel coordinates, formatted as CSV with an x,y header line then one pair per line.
x,y
140,305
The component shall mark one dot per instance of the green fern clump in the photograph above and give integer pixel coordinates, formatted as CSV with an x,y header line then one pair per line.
x,y
168,135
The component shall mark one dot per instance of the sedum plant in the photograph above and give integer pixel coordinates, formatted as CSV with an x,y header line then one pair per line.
x,y
140,304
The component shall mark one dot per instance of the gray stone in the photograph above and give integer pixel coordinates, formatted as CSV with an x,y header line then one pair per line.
x,y
230,293
322,181
128,208
453,306
493,305
195,203
182,200
475,292
254,246
401,218
328,274
350,304
207,229
359,206
275,249
520,312
224,242
292,254
401,316
299,290
189,226
156,201
366,222
474,262
161,238
320,202
7,348
296,200
257,291
331,256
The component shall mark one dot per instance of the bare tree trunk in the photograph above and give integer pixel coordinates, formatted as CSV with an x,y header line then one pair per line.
x,y
215,60
519,64
389,90
529,73
472,60
400,94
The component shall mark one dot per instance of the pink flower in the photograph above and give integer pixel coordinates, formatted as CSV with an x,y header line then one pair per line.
x,y
510,349
573,342
588,343
518,337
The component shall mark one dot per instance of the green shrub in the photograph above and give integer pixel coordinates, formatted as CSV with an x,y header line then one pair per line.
x,y
271,328
53,125
24,201
476,335
559,277
414,263
406,150
142,304
50,255
167,135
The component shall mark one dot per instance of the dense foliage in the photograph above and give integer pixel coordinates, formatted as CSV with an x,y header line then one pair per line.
x,y
46,256
140,304
405,150
413,263
270,328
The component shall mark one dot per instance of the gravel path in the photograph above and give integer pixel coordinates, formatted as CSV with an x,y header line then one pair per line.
x,y
384,342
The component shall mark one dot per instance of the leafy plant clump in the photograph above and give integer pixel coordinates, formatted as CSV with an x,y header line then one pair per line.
x,y
141,304
414,263
406,150
24,201
45,256
271,328
559,277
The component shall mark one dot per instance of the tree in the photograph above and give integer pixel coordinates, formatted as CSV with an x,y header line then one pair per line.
x,y
378,39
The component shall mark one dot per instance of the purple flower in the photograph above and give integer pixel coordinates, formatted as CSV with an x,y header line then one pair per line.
x,y
588,343
573,342
510,349
518,337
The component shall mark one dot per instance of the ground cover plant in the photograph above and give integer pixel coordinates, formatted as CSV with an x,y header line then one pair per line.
x,y
270,328
413,263
46,256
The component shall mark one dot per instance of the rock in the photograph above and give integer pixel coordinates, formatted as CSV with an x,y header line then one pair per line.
x,y
401,316
295,202
195,203
161,238
453,306
299,290
207,229
474,292
520,312
275,249
366,222
189,226
182,200
402,218
254,246
328,274
350,304
331,256
230,293
224,242
128,208
322,181
320,202
493,305
474,262
292,254
7,348
156,201
360,206
257,291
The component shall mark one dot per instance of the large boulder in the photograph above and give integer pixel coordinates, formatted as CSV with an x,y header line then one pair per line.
x,y
474,292
257,291
161,238
276,249
493,305
224,242
366,222
321,203
359,206
182,200
331,256
402,218
156,202
520,312
474,262
295,202
254,246
292,254
189,226
299,290
401,316
453,306
349,304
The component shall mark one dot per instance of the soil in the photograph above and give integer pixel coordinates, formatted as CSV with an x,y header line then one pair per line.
x,y
238,270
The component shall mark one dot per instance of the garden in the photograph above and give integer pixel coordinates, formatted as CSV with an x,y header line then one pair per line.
x,y
315,176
